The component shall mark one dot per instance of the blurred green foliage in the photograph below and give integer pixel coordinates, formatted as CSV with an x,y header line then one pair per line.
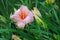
x,y
50,16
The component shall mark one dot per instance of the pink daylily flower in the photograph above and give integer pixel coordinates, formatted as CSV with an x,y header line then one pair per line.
x,y
22,16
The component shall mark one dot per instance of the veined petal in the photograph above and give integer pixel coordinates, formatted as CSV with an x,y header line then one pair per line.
x,y
29,18
15,16
21,24
24,9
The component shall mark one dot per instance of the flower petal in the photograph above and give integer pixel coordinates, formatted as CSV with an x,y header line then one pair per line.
x,y
24,9
29,18
21,24
15,16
